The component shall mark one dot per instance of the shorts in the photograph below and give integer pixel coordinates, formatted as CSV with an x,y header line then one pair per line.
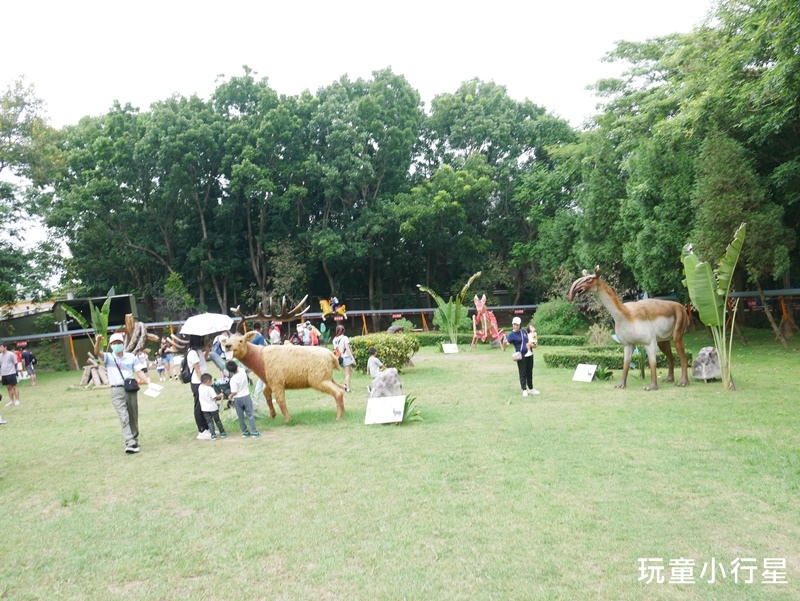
x,y
10,380
168,357
347,360
30,369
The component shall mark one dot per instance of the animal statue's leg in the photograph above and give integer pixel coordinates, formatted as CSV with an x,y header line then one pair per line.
x,y
651,358
626,365
337,392
665,348
280,396
681,348
267,392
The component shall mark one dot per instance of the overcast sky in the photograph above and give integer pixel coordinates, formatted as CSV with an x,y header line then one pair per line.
x,y
82,55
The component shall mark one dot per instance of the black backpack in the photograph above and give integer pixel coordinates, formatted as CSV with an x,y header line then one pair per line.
x,y
186,373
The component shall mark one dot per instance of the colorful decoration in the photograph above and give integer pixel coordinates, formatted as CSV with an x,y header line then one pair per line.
x,y
332,307
484,324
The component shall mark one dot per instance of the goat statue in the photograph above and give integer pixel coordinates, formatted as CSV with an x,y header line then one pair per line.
x,y
650,322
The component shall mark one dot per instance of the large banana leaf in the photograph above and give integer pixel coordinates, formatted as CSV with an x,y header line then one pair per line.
x,y
727,264
76,316
690,261
710,305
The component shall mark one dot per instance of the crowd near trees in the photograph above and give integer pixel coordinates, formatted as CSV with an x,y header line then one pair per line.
x,y
359,191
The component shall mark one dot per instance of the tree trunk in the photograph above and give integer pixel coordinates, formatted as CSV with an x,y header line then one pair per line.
x,y
329,276
768,313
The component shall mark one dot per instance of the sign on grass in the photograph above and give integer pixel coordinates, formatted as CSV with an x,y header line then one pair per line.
x,y
449,348
385,410
584,373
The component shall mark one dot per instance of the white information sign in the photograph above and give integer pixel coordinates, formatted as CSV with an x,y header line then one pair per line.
x,y
584,373
449,348
385,410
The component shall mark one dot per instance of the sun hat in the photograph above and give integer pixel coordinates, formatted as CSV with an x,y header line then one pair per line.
x,y
117,338
516,321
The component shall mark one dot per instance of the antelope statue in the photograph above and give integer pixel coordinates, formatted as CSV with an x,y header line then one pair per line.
x,y
650,322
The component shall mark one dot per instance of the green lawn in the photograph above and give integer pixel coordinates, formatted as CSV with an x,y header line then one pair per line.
x,y
492,496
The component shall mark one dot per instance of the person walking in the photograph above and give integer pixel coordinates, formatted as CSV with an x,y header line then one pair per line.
x,y
8,372
30,365
121,366
341,345
167,350
518,338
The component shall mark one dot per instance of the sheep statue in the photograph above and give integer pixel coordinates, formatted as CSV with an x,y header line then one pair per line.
x,y
290,367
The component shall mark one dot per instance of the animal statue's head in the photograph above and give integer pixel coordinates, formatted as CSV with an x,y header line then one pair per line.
x,y
236,345
480,303
588,283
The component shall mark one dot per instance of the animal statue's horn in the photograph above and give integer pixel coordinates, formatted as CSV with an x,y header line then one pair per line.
x,y
585,273
597,270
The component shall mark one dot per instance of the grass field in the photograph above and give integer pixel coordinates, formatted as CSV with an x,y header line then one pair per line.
x,y
492,496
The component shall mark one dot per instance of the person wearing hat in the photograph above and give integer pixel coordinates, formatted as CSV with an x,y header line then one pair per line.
x,y
518,338
119,366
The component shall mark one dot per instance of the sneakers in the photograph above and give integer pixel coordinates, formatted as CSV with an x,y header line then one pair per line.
x,y
204,435
255,434
533,391
2,421
223,434
213,437
10,404
246,434
529,353
524,393
134,448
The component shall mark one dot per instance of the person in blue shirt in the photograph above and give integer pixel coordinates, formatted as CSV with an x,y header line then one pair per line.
x,y
121,365
519,339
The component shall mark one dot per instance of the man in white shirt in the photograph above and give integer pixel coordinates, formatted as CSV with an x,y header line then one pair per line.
x,y
8,371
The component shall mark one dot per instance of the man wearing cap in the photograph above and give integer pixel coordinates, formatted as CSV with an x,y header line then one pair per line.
x,y
518,338
121,365
8,371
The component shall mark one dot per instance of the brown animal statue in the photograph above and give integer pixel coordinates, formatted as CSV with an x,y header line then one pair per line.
x,y
650,322
284,368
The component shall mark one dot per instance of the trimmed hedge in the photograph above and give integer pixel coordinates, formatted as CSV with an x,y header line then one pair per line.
x,y
436,338
608,357
394,350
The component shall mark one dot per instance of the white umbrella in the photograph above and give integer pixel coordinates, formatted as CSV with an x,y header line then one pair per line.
x,y
206,323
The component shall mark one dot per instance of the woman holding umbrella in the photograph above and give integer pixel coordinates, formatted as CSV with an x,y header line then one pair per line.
x,y
197,327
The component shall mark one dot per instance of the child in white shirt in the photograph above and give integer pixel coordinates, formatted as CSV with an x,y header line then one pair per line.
x,y
208,404
240,393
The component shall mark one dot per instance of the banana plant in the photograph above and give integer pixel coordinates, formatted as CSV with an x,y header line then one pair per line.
x,y
99,317
450,311
709,291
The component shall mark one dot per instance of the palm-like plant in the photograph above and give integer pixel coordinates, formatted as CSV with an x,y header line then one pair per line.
x,y
450,311
709,293
99,317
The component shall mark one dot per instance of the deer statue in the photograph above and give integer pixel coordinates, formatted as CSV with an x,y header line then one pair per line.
x,y
650,322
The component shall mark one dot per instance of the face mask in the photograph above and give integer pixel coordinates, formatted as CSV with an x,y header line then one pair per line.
x,y
117,348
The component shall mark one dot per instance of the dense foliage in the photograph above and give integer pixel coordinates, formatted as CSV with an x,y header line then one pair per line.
x,y
358,191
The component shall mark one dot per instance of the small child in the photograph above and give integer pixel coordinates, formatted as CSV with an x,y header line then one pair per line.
x,y
374,365
160,368
240,393
208,404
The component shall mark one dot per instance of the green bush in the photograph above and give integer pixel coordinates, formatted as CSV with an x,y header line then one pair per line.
x,y
394,350
558,316
600,335
561,340
404,323
607,357
437,338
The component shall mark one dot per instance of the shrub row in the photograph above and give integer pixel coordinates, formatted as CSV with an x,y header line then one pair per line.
x,y
394,350
608,357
